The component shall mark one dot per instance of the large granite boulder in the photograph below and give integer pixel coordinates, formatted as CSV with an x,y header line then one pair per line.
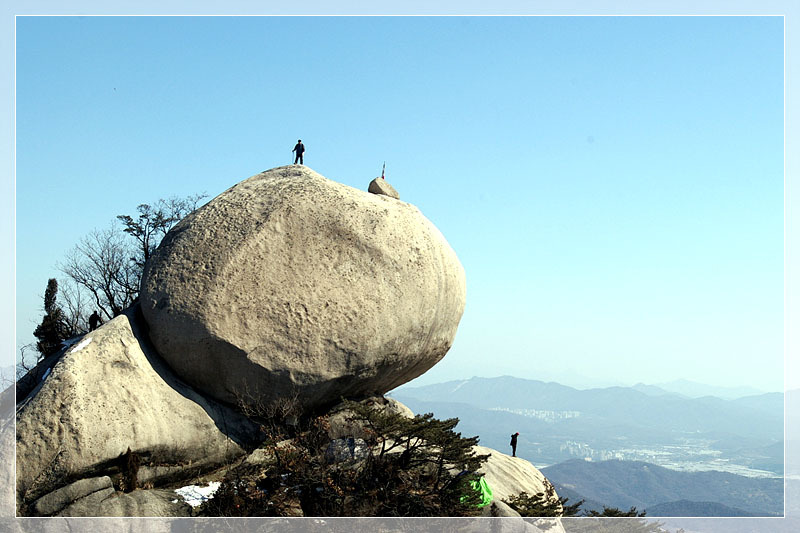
x,y
111,393
292,285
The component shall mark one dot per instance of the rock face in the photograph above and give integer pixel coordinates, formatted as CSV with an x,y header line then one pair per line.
x,y
137,503
55,501
499,509
508,476
342,423
291,284
108,393
97,497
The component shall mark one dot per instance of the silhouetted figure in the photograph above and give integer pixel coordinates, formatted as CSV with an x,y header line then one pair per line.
x,y
514,444
129,463
94,321
298,150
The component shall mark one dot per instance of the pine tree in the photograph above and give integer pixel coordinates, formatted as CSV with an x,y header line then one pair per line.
x,y
52,330
543,504
413,467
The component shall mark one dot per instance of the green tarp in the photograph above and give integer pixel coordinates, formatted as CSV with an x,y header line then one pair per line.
x,y
483,489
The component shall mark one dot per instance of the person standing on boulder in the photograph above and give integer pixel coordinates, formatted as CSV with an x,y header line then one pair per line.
x,y
514,444
298,150
94,321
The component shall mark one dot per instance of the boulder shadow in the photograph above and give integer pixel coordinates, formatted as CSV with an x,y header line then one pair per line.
x,y
235,426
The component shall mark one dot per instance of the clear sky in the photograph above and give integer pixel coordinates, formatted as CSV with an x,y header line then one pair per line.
x,y
613,186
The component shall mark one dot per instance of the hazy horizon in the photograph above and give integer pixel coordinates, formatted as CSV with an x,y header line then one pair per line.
x,y
573,381
583,383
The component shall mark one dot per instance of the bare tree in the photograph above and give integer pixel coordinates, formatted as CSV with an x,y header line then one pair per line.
x,y
75,307
104,269
155,221
28,359
103,272
177,208
100,264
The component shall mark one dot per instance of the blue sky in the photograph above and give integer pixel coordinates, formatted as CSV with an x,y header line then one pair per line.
x,y
612,185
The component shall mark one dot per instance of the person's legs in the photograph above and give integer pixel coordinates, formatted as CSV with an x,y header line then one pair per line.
x,y
301,159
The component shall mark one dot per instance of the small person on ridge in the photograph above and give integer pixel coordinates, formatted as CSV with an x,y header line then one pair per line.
x,y
94,321
514,444
298,150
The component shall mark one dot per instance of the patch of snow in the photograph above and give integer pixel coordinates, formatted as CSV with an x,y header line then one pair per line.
x,y
194,495
72,340
83,344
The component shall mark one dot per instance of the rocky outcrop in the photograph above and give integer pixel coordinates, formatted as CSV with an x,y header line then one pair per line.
x,y
288,289
508,476
92,497
498,508
343,423
137,503
290,284
55,501
110,393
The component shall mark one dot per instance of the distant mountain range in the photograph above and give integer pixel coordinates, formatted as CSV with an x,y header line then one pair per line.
x,y
664,492
558,423
673,455
614,404
692,389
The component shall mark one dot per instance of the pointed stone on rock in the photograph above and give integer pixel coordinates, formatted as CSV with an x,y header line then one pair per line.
x,y
381,186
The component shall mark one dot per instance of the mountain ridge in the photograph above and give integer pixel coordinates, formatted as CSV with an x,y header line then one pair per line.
x,y
557,423
626,484
684,414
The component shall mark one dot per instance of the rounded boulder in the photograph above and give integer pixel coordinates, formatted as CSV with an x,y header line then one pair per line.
x,y
292,287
